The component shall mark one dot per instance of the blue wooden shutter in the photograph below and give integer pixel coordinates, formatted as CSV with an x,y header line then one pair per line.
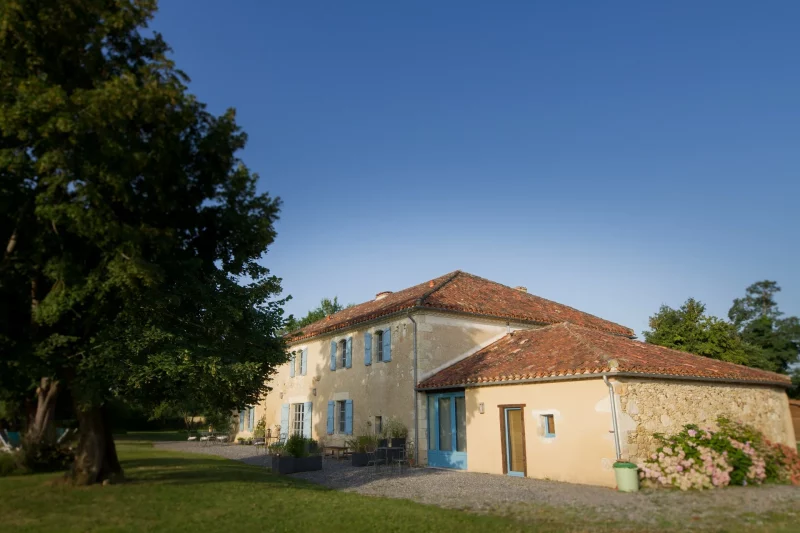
x,y
348,417
331,410
367,349
284,421
241,420
348,356
307,420
252,418
291,366
387,344
333,355
303,361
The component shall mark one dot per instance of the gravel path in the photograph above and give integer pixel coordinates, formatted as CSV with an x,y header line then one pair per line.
x,y
514,496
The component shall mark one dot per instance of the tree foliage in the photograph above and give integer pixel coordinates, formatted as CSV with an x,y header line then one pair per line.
x,y
758,335
689,329
326,307
129,224
759,322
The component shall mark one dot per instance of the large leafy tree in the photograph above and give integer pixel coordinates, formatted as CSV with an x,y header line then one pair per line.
x,y
690,329
760,323
132,231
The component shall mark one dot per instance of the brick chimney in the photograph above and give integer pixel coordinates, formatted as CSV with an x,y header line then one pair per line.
x,y
382,295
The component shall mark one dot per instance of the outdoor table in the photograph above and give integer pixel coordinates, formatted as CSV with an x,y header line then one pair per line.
x,y
389,453
336,450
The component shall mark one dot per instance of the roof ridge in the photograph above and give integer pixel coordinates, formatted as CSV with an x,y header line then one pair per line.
x,y
536,296
453,275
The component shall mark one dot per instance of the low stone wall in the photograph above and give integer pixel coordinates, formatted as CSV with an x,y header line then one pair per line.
x,y
665,406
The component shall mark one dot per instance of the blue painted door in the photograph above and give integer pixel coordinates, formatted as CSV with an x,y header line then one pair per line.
x,y
514,441
447,430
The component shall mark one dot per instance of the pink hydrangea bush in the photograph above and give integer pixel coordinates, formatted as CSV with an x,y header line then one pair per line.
x,y
695,458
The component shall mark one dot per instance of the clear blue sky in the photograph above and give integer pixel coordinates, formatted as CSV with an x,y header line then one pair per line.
x,y
612,156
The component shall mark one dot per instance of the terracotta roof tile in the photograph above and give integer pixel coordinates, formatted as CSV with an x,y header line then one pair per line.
x,y
570,350
463,293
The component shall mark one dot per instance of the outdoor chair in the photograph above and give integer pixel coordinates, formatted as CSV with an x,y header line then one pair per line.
x,y
401,460
373,459
5,442
260,443
65,434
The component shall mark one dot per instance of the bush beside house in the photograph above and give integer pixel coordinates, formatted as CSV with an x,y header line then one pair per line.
x,y
705,458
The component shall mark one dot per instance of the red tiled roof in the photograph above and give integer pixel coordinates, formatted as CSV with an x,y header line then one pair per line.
x,y
570,350
463,293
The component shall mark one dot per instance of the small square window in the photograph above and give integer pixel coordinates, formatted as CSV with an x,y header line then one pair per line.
x,y
378,425
549,424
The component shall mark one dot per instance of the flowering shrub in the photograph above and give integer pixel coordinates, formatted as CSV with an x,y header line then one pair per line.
x,y
733,454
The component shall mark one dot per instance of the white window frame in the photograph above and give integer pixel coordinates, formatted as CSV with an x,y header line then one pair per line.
x,y
297,418
378,345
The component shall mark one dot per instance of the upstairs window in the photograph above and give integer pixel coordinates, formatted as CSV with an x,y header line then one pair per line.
x,y
379,345
343,353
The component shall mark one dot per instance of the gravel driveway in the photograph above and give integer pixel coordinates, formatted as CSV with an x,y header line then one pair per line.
x,y
515,496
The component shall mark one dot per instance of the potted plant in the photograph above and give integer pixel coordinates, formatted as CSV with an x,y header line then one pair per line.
x,y
299,454
397,432
359,445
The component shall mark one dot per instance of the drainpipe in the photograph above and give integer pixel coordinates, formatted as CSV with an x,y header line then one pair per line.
x,y
613,416
414,388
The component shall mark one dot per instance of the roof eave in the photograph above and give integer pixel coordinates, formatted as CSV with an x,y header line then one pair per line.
x,y
597,375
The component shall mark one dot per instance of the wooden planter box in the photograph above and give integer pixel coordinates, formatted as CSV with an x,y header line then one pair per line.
x,y
284,464
358,459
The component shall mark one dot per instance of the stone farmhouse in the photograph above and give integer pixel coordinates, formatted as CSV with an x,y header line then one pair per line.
x,y
489,378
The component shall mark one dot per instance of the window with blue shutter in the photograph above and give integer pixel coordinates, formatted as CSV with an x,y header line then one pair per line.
x,y
303,361
333,355
291,366
387,344
241,420
252,418
348,363
331,411
284,421
348,417
367,349
307,420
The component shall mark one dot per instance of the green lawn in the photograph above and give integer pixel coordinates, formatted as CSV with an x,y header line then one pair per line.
x,y
170,491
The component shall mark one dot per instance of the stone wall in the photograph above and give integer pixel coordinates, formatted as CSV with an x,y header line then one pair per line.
x,y
665,406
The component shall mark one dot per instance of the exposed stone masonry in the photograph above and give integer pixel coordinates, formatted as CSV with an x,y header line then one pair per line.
x,y
648,407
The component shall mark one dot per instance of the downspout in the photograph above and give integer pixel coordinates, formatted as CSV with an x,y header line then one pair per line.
x,y
613,415
414,388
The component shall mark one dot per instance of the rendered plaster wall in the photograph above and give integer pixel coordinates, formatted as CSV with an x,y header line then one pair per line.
x,y
582,450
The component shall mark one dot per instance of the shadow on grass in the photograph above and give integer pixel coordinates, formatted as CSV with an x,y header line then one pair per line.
x,y
184,471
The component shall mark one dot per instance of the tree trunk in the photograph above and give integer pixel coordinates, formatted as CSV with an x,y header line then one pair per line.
x,y
96,457
42,424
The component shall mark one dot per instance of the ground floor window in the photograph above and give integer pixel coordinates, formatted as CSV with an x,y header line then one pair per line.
x,y
298,417
341,414
378,425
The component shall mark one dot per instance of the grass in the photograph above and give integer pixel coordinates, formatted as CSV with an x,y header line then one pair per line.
x,y
159,436
170,491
